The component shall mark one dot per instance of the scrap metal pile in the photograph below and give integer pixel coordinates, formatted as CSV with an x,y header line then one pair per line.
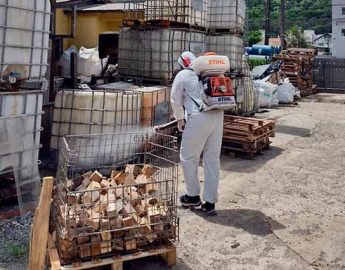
x,y
298,67
247,136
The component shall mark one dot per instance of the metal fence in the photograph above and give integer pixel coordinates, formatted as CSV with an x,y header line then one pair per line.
x,y
329,73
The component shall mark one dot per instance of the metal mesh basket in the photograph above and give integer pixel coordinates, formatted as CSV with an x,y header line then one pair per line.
x,y
129,207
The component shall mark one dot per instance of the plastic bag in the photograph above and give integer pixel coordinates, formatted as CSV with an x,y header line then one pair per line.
x,y
65,61
268,94
88,62
286,92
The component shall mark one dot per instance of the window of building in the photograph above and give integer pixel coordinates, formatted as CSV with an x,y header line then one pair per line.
x,y
343,10
343,32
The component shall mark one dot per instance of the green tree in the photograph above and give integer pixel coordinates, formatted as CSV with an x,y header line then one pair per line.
x,y
254,37
295,38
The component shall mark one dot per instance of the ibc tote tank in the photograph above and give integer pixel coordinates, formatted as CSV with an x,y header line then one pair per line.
x,y
24,46
24,38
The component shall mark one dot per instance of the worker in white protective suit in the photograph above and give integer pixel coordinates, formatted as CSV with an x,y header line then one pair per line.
x,y
202,133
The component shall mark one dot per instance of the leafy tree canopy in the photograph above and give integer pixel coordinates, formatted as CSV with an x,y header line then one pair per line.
x,y
306,14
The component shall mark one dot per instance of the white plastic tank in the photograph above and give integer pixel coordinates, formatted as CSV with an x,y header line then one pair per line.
x,y
24,38
153,53
20,128
94,112
226,14
229,45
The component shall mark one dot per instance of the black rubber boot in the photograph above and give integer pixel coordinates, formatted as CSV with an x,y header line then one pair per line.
x,y
190,200
209,208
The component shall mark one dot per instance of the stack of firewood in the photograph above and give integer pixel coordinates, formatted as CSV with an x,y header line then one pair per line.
x,y
298,67
121,212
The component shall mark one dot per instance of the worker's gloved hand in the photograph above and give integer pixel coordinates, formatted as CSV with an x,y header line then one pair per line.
x,y
181,125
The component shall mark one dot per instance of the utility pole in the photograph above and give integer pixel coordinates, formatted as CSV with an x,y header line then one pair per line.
x,y
267,21
282,23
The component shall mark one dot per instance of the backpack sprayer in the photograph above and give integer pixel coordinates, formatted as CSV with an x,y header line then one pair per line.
x,y
216,91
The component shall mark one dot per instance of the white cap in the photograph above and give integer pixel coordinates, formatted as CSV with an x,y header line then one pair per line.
x,y
186,59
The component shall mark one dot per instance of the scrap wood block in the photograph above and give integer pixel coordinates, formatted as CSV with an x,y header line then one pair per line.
x,y
84,251
134,198
104,224
151,188
147,183
92,194
94,219
95,244
130,244
117,225
148,170
106,236
120,178
154,215
118,244
82,239
133,169
142,179
127,222
96,176
105,247
141,208
113,208
129,211
119,192
72,198
104,183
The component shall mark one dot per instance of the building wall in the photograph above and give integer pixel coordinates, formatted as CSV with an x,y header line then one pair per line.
x,y
89,25
338,28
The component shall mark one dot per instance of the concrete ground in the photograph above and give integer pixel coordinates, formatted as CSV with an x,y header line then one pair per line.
x,y
285,209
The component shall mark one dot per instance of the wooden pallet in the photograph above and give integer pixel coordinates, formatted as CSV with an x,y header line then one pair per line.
x,y
160,24
167,252
233,31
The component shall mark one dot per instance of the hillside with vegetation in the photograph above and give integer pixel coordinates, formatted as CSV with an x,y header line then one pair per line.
x,y
307,14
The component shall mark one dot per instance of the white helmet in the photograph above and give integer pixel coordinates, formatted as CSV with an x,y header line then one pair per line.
x,y
186,59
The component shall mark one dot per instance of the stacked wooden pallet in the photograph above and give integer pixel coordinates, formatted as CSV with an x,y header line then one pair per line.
x,y
247,136
298,67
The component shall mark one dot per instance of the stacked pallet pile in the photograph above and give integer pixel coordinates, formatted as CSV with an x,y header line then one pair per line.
x,y
247,136
298,67
114,214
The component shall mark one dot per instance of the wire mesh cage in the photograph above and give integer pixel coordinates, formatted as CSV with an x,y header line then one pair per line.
x,y
20,129
152,53
191,12
226,14
116,194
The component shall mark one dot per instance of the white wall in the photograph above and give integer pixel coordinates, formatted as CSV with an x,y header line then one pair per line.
x,y
338,24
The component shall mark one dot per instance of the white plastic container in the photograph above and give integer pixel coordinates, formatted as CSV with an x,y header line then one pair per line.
x,y
24,37
94,112
153,53
192,12
20,128
226,14
229,45
155,101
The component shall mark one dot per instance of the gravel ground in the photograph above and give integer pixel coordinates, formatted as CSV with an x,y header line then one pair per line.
x,y
14,244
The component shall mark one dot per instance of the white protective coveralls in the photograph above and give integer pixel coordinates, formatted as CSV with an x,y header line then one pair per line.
x,y
203,133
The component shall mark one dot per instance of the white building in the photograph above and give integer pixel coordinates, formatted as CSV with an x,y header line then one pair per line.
x,y
338,28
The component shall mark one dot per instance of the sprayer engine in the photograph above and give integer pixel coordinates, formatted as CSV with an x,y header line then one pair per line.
x,y
217,91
